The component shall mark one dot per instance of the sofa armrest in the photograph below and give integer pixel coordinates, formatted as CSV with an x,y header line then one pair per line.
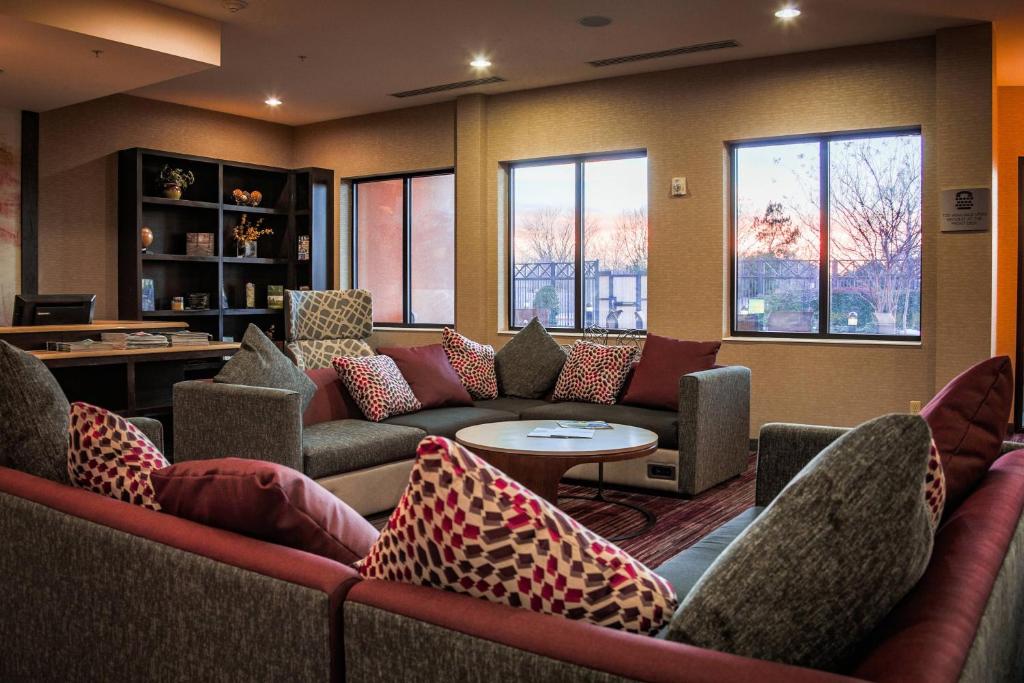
x,y
153,429
216,420
783,450
714,427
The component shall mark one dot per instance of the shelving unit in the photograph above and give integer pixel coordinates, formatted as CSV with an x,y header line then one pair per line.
x,y
296,202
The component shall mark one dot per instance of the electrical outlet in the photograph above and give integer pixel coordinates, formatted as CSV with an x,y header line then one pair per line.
x,y
915,407
679,187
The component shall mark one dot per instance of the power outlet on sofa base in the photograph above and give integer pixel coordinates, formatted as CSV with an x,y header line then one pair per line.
x,y
660,471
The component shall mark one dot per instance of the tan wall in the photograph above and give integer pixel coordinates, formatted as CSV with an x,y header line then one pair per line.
x,y
78,177
1010,147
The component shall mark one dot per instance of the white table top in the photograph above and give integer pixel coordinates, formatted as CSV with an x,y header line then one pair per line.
x,y
511,437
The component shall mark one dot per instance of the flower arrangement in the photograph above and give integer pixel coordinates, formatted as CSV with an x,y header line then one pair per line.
x,y
178,177
246,232
243,198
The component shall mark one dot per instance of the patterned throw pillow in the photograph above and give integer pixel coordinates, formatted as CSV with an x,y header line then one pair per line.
x,y
109,455
473,362
377,386
935,485
594,373
464,526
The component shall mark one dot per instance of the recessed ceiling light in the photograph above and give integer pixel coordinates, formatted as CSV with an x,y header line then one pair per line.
x,y
788,13
595,21
272,101
480,62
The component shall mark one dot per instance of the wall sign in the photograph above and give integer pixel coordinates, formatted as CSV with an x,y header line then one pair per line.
x,y
966,209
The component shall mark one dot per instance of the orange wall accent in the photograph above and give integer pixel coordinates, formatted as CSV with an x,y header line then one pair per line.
x,y
1010,147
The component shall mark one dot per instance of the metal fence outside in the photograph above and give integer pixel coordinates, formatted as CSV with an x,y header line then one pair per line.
x,y
612,299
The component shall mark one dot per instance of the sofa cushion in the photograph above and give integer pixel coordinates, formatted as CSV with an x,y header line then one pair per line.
x,y
664,423
473,362
430,374
510,405
343,446
463,526
34,415
827,560
968,420
528,365
332,400
447,421
108,455
259,363
377,386
655,381
594,373
267,501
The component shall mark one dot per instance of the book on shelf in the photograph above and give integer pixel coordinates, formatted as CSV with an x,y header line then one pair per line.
x,y
135,340
584,424
84,345
189,339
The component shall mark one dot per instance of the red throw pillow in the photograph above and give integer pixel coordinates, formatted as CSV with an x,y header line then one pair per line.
x,y
464,526
430,374
107,454
473,363
377,386
968,420
265,500
594,373
655,384
332,400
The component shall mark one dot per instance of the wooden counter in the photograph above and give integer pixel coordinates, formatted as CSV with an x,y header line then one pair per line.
x,y
32,337
57,359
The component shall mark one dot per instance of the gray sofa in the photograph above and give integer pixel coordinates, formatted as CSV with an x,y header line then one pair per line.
x,y
367,464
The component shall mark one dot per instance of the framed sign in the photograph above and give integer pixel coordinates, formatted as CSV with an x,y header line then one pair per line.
x,y
966,209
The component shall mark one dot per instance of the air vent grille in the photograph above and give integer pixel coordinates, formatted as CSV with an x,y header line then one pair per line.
x,y
448,86
689,49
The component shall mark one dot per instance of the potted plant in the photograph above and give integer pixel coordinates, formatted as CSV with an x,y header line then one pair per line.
x,y
545,303
246,234
175,181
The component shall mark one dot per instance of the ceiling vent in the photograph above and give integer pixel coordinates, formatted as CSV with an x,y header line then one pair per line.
x,y
643,56
448,86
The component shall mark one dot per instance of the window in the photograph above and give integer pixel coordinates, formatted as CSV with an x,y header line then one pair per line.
x,y
827,237
579,242
404,247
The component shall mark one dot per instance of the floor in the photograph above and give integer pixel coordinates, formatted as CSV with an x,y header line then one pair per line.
x,y
681,522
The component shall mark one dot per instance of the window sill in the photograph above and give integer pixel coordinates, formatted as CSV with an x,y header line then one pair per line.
x,y
380,328
827,342
553,333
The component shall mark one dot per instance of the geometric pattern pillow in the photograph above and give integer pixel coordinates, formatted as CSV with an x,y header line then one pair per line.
x,y
377,386
594,373
330,314
315,355
109,455
935,485
466,527
473,363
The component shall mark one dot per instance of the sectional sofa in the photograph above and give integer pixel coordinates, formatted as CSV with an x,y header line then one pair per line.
x,y
119,592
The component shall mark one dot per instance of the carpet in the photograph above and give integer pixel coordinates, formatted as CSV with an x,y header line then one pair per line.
x,y
681,522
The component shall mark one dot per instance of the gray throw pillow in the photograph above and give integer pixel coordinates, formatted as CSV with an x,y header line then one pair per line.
x,y
34,415
529,364
828,559
259,363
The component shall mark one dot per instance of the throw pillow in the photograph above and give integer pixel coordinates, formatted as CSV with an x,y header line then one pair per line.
x,y
935,486
827,560
464,526
594,373
528,365
655,383
968,420
377,386
34,415
332,400
265,500
430,374
473,362
259,363
107,454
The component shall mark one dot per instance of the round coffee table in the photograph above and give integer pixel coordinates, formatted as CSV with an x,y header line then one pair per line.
x,y
538,463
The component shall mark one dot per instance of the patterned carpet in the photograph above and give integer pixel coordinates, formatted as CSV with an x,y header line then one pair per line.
x,y
681,522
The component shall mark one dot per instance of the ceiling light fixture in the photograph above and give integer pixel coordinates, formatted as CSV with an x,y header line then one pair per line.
x,y
480,62
595,21
789,12
272,101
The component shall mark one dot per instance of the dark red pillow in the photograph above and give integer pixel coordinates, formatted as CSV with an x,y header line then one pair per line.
x,y
655,383
332,400
430,374
968,420
265,500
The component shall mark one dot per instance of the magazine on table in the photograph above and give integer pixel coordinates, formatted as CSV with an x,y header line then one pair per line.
x,y
584,424
562,433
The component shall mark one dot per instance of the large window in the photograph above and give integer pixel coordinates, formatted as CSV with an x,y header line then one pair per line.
x,y
404,247
827,237
579,242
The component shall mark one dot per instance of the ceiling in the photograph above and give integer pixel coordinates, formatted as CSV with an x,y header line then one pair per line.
x,y
356,53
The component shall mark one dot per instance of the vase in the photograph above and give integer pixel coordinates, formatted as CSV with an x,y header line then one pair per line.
x,y
172,191
246,249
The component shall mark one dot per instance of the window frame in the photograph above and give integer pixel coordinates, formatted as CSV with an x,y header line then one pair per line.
x,y
406,179
579,161
824,281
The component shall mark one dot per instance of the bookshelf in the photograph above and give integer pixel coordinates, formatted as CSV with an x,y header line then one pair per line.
x,y
297,204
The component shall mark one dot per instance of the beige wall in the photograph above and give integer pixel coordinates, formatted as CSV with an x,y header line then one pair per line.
x,y
78,177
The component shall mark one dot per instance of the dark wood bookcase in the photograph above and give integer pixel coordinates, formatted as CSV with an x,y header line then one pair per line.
x,y
296,203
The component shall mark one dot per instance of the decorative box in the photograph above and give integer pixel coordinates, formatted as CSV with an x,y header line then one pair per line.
x,y
275,296
303,248
148,295
199,244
